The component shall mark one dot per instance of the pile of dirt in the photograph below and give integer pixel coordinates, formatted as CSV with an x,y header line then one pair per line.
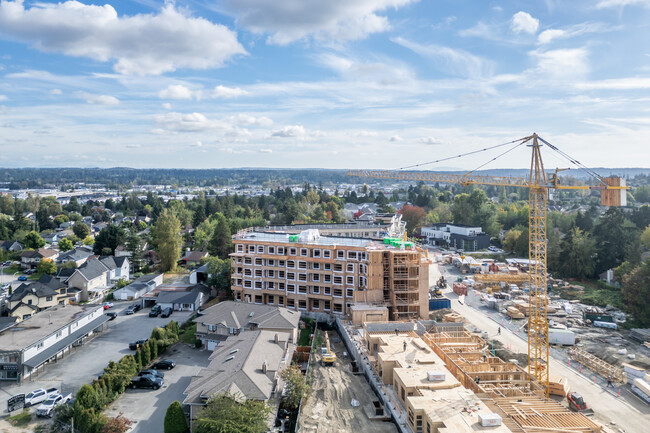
x,y
329,408
507,355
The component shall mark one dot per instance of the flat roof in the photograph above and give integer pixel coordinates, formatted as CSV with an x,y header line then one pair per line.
x,y
332,241
417,376
41,325
417,352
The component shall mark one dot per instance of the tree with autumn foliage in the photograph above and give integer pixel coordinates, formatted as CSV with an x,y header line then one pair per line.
x,y
413,216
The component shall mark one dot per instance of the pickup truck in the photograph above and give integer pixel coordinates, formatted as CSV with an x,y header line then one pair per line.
x,y
146,381
39,395
47,407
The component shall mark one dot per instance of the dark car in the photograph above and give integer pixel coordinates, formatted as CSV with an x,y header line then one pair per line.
x,y
112,315
165,364
130,310
22,278
152,372
135,344
146,381
137,307
166,312
155,311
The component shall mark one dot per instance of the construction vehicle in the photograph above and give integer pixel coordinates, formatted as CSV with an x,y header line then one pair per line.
x,y
328,356
539,183
577,404
441,284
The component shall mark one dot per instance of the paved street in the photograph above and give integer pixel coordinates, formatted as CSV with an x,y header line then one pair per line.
x,y
147,407
628,412
89,360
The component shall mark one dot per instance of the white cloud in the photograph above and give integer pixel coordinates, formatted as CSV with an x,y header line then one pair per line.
x,y
449,59
266,150
143,44
289,131
562,64
291,20
3,98
227,92
189,122
55,92
366,134
621,3
197,144
167,106
430,141
99,99
548,35
133,146
248,120
616,84
395,139
175,91
523,22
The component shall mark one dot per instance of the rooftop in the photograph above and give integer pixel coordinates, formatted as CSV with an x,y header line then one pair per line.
x,y
391,348
39,326
322,240
239,315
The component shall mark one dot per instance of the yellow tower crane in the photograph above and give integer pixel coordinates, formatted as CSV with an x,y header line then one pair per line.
x,y
538,183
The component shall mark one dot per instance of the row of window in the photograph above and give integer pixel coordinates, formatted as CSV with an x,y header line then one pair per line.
x,y
303,252
300,264
291,276
300,304
337,292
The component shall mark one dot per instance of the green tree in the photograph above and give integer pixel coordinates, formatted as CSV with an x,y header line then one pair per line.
x,y
645,237
636,293
109,238
145,353
577,252
65,245
297,387
81,230
612,234
33,240
219,274
221,242
47,266
168,240
199,216
175,421
224,414
510,240
522,244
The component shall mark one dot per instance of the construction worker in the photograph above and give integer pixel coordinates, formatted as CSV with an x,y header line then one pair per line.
x,y
477,380
609,381
499,331
404,345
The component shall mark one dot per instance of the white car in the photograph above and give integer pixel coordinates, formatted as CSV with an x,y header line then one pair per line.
x,y
47,407
39,395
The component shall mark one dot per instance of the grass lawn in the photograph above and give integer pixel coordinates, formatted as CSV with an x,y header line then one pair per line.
x,y
21,419
594,295
305,334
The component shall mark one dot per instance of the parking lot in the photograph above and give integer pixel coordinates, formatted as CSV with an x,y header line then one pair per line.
x,y
147,407
86,362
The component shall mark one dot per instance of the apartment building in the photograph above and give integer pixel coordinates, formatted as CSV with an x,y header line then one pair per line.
x,y
327,274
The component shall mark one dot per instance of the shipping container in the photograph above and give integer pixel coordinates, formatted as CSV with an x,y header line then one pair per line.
x,y
605,324
460,289
598,317
439,303
561,336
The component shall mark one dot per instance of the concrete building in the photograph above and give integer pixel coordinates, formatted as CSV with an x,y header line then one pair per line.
x,y
384,225
327,275
46,337
468,238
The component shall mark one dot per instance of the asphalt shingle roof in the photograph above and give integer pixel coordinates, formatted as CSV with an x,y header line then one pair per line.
x,y
239,315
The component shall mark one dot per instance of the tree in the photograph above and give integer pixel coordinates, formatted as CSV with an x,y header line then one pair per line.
x,y
413,216
612,234
175,421
110,238
220,244
219,274
168,240
645,237
522,244
65,245
47,266
576,254
636,293
118,424
510,240
81,230
296,386
224,414
33,240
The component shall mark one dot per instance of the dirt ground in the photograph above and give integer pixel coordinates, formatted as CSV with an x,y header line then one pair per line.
x,y
329,408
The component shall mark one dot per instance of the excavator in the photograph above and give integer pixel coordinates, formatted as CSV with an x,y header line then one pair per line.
x,y
328,356
437,289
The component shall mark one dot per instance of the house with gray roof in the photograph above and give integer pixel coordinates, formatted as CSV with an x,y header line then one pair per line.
x,y
142,285
11,246
246,365
33,297
180,301
91,278
78,255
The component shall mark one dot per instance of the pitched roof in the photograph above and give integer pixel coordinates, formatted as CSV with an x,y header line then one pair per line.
x,y
109,262
119,261
236,365
76,254
239,315
178,297
194,256
41,252
65,273
92,269
38,289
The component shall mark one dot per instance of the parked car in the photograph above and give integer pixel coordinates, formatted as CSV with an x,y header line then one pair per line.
x,y
130,310
137,343
155,311
4,287
167,312
39,395
108,305
146,381
22,278
112,315
154,373
47,407
165,364
137,307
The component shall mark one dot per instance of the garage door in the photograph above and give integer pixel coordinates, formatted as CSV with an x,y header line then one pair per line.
x,y
212,344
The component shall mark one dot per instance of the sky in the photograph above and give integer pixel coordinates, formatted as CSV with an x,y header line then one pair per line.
x,y
322,83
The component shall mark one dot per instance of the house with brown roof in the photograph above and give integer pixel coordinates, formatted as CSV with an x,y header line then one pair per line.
x,y
31,258
191,259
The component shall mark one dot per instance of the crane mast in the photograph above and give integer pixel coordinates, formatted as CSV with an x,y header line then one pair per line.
x,y
612,194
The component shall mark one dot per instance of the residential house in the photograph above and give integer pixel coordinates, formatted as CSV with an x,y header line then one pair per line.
x,y
180,301
64,273
192,258
199,275
31,298
78,255
246,365
31,258
46,337
92,278
142,285
11,246
217,323
118,267
51,238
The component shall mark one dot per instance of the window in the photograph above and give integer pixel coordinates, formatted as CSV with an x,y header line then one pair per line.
x,y
315,277
248,284
291,288
327,278
315,290
302,265
326,305
338,267
327,291
352,255
349,293
48,298
260,249
258,299
29,302
258,262
302,304
280,251
302,290
315,265
291,276
271,250
258,272
212,328
292,251
338,293
291,264
280,274
270,262
315,253
270,285
327,254
240,248
258,284
280,301
270,299
304,252
39,345
340,254
281,263
363,256
349,267
302,277
338,280
59,333
281,286
363,282
271,274
338,308
248,261
327,267
349,280
291,303
251,248
315,304
248,272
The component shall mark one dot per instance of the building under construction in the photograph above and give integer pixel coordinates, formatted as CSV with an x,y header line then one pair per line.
x,y
331,275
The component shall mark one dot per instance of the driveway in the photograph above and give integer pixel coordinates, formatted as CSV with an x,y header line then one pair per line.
x,y
146,407
86,362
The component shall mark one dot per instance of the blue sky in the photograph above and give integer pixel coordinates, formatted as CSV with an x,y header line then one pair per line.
x,y
321,83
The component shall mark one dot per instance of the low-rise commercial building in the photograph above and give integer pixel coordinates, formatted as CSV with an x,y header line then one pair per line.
x,y
468,238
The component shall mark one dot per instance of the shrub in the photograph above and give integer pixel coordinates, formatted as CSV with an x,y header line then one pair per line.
x,y
175,421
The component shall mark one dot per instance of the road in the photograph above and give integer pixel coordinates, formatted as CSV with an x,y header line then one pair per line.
x,y
88,361
629,414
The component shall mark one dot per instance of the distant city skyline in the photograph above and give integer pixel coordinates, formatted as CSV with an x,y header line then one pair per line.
x,y
321,83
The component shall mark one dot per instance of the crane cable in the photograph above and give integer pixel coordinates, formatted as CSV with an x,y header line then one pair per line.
x,y
573,161
499,156
465,154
